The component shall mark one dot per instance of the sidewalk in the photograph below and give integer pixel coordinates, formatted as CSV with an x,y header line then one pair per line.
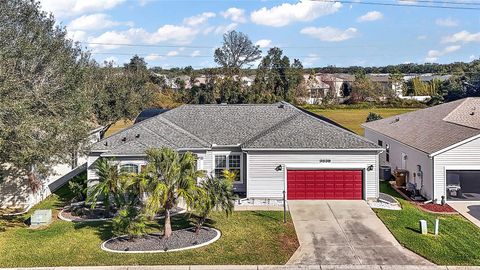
x,y
257,267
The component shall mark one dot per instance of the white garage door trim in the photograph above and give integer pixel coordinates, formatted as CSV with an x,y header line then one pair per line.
x,y
326,166
457,168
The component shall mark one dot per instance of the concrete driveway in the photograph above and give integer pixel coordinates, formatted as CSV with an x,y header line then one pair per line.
x,y
470,210
345,232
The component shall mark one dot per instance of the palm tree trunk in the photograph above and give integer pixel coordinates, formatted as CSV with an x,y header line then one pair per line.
x,y
167,231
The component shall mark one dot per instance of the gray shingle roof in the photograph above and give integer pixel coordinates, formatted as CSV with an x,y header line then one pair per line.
x,y
433,129
253,126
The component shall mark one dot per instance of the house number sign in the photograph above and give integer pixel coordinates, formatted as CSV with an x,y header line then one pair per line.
x,y
325,160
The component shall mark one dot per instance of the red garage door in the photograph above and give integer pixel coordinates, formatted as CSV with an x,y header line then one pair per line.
x,y
324,185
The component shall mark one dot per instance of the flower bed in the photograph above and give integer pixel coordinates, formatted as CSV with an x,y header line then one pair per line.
x,y
154,242
437,208
428,207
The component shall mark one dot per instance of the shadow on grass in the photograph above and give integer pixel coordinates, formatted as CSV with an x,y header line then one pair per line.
x,y
269,215
102,228
413,229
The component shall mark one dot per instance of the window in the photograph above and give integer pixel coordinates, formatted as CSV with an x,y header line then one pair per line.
x,y
129,168
220,165
234,165
387,153
228,162
380,142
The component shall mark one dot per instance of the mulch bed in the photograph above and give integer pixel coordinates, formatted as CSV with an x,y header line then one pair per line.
x,y
155,241
85,214
429,207
437,208
82,213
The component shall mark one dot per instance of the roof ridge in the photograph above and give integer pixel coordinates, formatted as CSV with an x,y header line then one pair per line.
x,y
270,129
156,135
193,136
335,127
456,108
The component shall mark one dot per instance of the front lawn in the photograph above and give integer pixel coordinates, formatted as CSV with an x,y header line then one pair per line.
x,y
247,238
457,244
353,118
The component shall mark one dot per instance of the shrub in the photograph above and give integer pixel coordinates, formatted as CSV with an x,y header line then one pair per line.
x,y
129,221
216,194
373,117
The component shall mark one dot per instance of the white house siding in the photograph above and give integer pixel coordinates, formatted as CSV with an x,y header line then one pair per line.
x,y
14,191
206,161
466,156
414,157
266,182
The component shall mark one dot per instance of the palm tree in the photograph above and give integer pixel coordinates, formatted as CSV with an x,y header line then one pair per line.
x,y
108,185
219,196
171,176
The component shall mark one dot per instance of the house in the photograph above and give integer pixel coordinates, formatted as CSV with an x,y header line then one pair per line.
x,y
14,190
438,146
317,90
385,82
272,147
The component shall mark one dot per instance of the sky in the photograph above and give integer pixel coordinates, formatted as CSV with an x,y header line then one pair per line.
x,y
179,33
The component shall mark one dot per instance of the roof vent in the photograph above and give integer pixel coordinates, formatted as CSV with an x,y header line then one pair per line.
x,y
396,120
124,139
106,143
281,106
137,136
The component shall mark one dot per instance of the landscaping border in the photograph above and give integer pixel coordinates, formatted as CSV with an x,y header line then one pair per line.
x,y
409,200
60,216
104,248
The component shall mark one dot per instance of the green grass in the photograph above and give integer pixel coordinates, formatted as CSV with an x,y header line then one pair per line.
x,y
353,118
457,244
247,238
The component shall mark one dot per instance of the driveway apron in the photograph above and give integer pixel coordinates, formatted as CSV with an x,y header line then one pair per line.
x,y
345,232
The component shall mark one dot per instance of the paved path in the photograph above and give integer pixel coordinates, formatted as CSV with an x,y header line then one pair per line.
x,y
470,210
345,232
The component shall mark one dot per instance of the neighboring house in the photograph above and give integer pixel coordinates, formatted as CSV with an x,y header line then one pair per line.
x,y
317,90
438,146
14,191
272,147
396,88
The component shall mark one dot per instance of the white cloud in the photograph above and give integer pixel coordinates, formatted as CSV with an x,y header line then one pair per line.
x,y
433,55
167,33
94,21
462,36
263,43
67,8
195,53
310,60
422,37
225,28
329,33
287,13
153,57
77,35
112,37
235,14
172,53
472,57
447,22
199,19
371,16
